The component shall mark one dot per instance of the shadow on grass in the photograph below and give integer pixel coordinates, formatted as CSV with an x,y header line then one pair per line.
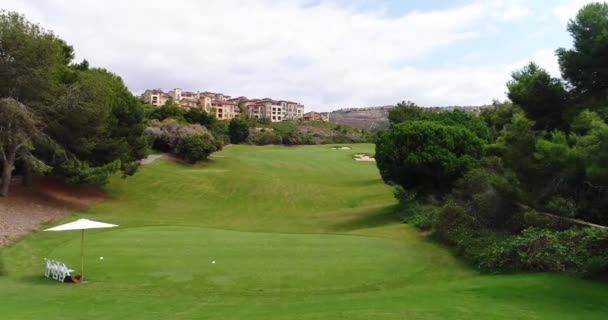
x,y
375,218
37,280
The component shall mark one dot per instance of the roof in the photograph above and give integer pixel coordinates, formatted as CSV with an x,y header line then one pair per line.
x,y
223,103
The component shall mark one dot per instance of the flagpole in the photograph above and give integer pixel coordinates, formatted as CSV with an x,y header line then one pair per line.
x,y
82,254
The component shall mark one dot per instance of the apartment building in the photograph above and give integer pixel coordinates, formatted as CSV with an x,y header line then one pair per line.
x,y
225,107
156,97
225,110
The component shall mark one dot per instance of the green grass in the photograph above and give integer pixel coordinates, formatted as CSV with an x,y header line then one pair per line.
x,y
296,233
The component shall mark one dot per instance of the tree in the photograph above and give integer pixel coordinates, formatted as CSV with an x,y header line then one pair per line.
x,y
585,66
498,116
517,144
98,121
542,97
32,60
238,130
460,118
167,111
427,156
18,130
404,111
196,148
194,115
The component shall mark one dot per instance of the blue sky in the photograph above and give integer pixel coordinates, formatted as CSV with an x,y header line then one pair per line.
x,y
326,54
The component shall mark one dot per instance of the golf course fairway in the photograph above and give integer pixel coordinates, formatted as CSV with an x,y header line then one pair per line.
x,y
295,233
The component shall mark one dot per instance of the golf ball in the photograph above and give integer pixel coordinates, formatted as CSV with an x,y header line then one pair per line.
x,y
213,261
100,258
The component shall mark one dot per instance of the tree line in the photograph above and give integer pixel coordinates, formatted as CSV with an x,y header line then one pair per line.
x,y
82,125
247,130
62,117
506,187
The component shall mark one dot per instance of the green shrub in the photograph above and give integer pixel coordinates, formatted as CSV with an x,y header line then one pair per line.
x,y
81,172
130,168
562,207
238,131
488,197
423,219
534,219
453,224
263,137
197,148
427,156
583,251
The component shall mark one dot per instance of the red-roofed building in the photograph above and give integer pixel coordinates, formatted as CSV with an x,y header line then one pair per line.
x,y
225,108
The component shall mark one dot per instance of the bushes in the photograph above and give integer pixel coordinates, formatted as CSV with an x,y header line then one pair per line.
x,y
238,131
583,251
191,142
80,172
427,156
197,148
422,216
482,221
263,136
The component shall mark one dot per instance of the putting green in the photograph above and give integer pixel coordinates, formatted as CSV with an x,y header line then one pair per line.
x,y
248,261
296,233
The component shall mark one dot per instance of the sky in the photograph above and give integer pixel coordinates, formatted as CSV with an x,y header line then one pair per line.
x,y
326,54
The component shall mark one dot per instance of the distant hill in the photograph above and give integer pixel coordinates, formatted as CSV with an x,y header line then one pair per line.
x,y
376,118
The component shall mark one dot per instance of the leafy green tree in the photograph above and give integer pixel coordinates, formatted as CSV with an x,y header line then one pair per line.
x,y
197,148
460,118
32,60
542,97
498,116
168,111
427,156
199,116
19,129
80,172
517,144
98,120
409,111
404,111
585,66
238,130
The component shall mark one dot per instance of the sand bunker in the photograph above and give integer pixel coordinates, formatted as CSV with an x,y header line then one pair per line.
x,y
341,148
364,157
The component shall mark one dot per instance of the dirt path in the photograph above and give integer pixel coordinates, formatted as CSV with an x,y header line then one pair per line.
x,y
151,158
25,210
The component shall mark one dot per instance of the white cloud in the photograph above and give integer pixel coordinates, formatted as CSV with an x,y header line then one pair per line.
x,y
567,10
324,55
516,12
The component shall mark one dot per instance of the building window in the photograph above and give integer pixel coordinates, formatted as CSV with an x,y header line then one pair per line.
x,y
274,118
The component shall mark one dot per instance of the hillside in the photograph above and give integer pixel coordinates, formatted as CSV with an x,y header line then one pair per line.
x,y
374,118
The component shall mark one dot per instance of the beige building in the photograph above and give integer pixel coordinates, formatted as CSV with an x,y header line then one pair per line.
x,y
225,108
155,97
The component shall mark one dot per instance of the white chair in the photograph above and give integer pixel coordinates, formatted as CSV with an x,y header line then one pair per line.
x,y
47,271
55,270
64,272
